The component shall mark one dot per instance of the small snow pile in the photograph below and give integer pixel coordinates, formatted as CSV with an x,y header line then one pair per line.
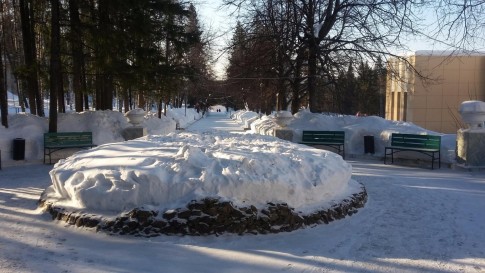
x,y
168,172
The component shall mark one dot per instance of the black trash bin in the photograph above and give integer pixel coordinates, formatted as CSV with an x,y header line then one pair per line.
x,y
19,149
368,144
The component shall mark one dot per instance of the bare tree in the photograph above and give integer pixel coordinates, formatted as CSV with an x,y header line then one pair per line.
x,y
284,20
332,33
459,24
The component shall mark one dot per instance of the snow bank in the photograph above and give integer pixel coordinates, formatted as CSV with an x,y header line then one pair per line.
x,y
355,129
158,126
107,127
26,126
170,171
245,117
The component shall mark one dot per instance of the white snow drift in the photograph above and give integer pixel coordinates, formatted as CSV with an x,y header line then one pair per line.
x,y
168,172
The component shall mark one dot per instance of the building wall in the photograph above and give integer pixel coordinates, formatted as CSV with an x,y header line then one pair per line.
x,y
432,100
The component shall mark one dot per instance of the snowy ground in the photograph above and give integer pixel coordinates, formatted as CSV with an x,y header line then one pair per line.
x,y
415,220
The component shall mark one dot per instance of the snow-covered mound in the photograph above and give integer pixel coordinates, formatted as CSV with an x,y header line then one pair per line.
x,y
168,172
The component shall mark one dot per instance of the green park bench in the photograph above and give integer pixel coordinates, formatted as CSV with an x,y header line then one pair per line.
x,y
333,139
425,144
65,140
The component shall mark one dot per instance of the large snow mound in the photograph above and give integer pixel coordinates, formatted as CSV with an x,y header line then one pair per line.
x,y
167,172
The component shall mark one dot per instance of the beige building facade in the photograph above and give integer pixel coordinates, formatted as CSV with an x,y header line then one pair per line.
x,y
428,89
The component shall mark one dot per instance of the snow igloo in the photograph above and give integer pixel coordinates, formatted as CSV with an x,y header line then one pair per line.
x,y
201,184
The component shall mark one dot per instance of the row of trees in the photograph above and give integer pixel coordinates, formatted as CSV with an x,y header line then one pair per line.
x,y
148,51
329,55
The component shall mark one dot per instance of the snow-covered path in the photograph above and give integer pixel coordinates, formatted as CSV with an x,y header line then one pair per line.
x,y
416,220
215,121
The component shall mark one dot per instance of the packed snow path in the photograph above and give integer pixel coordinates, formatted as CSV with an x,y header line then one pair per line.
x,y
416,220
215,121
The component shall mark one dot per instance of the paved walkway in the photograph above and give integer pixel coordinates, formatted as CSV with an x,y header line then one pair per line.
x,y
215,121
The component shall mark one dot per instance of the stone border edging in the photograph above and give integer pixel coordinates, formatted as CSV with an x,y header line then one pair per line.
x,y
209,216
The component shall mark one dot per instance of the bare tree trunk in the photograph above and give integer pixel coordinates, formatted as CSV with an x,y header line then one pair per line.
x,y
3,80
126,100
312,55
104,78
160,104
84,86
312,73
313,38
98,83
108,91
3,86
141,99
61,103
3,92
77,54
35,78
295,98
55,65
29,54
86,102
